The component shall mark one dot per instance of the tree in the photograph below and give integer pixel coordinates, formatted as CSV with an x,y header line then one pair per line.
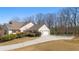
x,y
16,19
2,32
75,19
50,18
65,21
40,18
29,19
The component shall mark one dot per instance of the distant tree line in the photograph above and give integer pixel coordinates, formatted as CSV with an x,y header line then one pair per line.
x,y
66,21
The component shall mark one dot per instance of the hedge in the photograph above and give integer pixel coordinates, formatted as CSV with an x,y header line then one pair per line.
x,y
19,35
8,37
32,34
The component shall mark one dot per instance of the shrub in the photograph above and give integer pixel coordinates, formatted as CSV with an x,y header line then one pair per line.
x,y
33,34
13,36
8,37
20,35
37,33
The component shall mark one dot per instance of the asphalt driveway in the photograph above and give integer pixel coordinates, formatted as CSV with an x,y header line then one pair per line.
x,y
35,41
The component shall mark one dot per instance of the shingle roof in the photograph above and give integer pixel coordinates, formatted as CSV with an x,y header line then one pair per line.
x,y
18,25
14,25
36,27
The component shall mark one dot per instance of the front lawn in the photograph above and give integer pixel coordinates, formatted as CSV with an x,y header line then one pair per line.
x,y
19,40
75,40
58,45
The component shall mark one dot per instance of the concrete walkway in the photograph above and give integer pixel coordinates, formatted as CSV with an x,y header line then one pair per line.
x,y
35,41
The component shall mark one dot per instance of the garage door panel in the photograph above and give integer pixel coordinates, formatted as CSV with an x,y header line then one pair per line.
x,y
45,33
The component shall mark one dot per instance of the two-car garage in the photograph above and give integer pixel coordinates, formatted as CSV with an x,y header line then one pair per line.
x,y
44,30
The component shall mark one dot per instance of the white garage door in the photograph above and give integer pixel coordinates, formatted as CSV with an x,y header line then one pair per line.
x,y
45,33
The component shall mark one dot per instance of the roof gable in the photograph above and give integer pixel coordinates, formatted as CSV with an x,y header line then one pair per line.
x,y
35,27
27,26
38,27
43,27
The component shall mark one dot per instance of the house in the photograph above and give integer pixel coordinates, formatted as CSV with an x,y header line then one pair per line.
x,y
43,28
14,27
2,32
26,27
